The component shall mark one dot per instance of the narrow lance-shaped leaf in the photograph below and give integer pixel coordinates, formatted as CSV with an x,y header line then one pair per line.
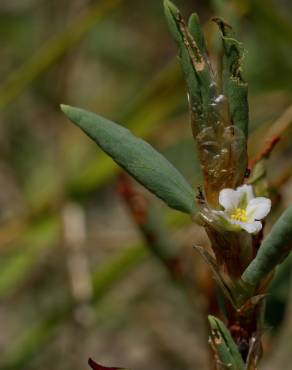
x,y
137,157
196,31
226,351
194,63
274,249
234,87
172,14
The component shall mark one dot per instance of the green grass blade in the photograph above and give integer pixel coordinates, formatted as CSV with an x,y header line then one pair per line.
x,y
51,51
105,276
41,236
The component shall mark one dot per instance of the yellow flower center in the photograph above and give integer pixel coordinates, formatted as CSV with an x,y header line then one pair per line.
x,y
239,214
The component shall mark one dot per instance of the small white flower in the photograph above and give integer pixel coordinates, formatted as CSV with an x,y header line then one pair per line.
x,y
242,210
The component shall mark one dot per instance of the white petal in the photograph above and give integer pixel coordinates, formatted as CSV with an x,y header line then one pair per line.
x,y
229,199
247,189
251,227
258,208
246,193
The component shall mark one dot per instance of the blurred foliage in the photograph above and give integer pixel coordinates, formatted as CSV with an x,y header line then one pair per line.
x,y
117,59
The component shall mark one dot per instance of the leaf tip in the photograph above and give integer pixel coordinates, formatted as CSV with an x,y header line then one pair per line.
x,y
212,321
172,15
64,108
72,113
194,18
170,7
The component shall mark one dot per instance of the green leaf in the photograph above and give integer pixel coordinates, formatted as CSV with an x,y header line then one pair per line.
x,y
194,63
195,30
234,87
137,157
224,346
274,249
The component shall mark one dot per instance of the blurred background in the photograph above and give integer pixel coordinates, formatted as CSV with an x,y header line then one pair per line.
x,y
79,275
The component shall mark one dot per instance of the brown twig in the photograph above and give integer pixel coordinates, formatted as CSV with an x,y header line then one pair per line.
x,y
265,152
